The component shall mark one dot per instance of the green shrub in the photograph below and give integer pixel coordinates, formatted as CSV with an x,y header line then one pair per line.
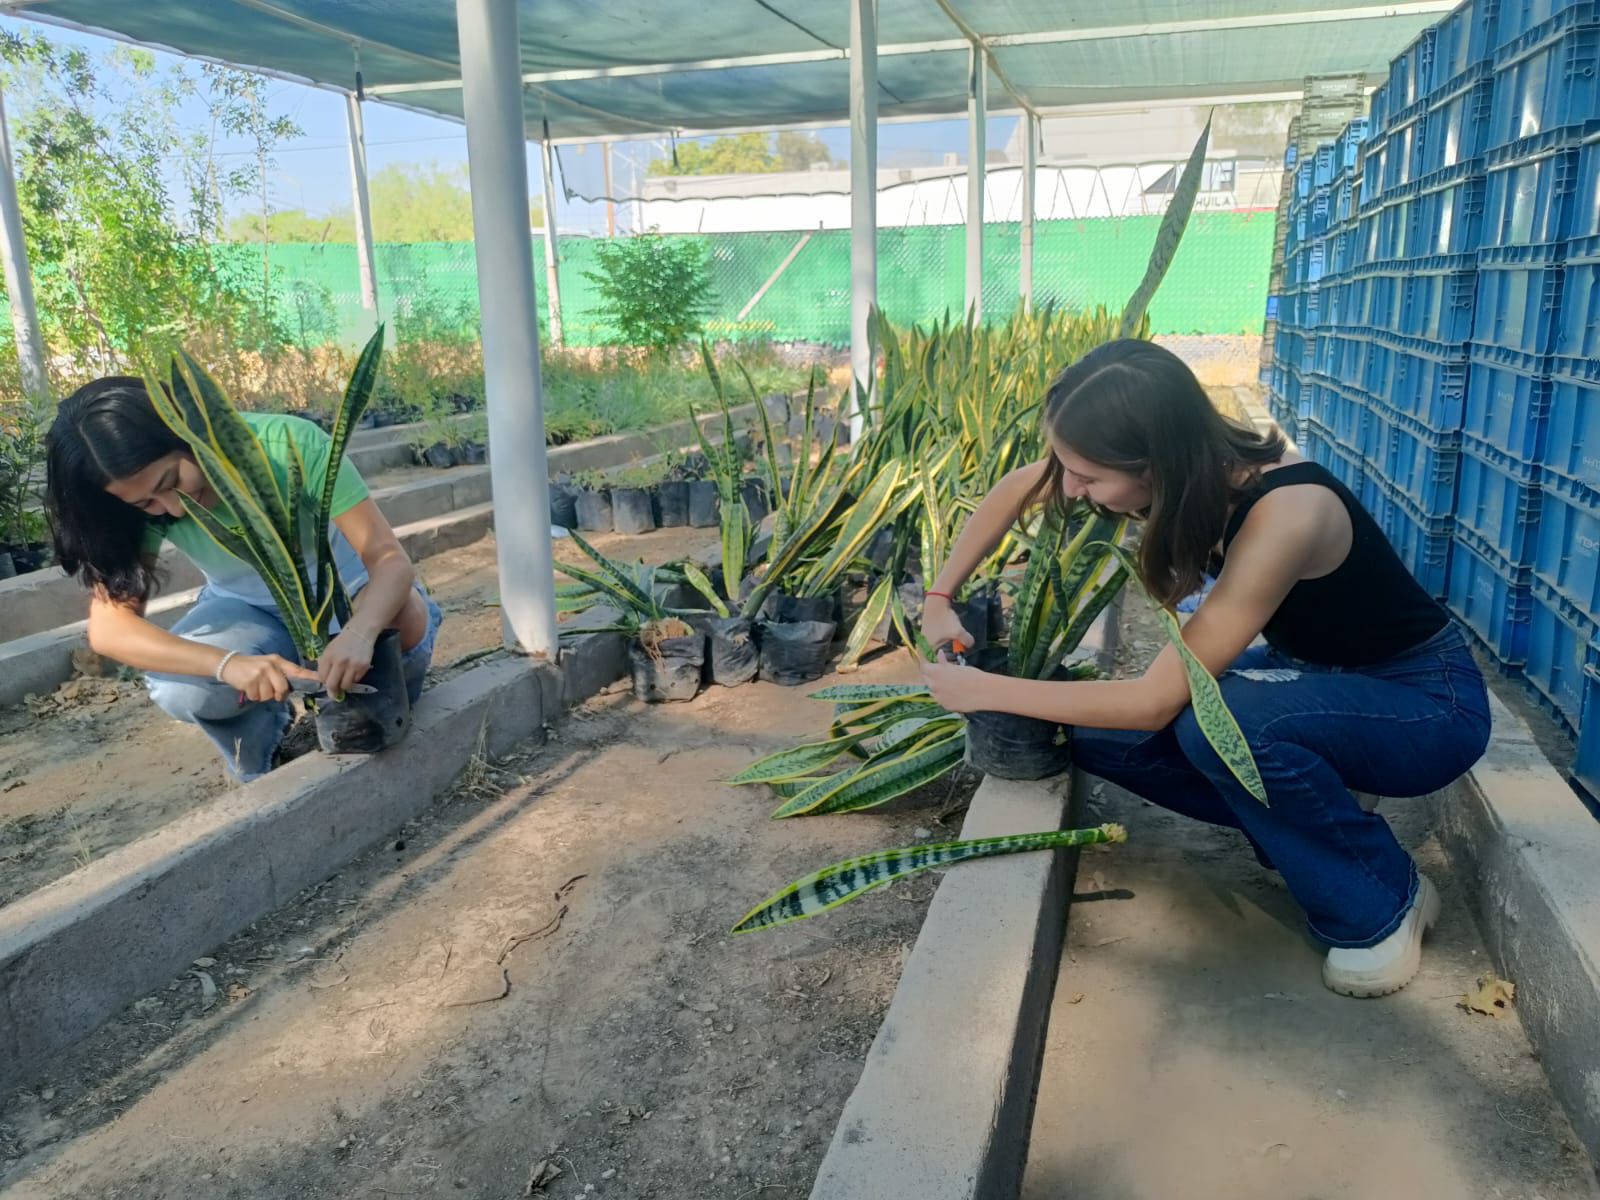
x,y
655,292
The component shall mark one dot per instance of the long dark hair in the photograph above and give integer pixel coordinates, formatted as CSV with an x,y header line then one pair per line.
x,y
105,430
1134,406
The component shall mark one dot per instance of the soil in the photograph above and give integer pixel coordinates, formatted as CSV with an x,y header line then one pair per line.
x,y
533,980
95,765
1193,1051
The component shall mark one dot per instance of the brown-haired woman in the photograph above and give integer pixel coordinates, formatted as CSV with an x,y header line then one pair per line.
x,y
1363,683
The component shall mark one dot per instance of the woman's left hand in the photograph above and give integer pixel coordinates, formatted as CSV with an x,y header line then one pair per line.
x,y
958,689
347,658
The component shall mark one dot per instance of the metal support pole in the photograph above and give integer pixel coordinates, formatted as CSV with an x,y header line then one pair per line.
x,y
497,161
19,283
863,198
977,151
552,263
611,205
1030,167
363,204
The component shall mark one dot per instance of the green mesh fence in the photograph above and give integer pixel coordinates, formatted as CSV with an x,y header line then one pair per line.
x,y
1217,284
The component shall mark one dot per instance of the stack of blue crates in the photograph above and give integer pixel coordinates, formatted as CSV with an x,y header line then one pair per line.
x,y
1452,327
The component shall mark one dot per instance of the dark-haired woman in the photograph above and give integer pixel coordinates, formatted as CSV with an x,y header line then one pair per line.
x,y
1363,683
116,478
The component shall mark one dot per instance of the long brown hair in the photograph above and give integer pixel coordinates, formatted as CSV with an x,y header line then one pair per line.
x,y
1133,406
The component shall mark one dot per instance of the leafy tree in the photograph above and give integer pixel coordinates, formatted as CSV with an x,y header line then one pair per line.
x,y
411,202
654,291
801,151
291,225
120,266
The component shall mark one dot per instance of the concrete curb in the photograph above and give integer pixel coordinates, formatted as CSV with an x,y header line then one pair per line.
x,y
38,663
944,1105
1513,825
76,951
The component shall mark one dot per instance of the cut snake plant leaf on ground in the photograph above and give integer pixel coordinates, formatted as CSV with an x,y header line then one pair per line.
x,y
844,881
1205,694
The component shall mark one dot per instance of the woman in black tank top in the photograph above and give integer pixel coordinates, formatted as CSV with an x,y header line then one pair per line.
x,y
1363,683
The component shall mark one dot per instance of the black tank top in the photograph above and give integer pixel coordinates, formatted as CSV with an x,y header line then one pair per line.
x,y
1367,609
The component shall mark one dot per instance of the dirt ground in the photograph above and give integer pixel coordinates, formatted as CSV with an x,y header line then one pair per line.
x,y
96,765
1193,1051
534,980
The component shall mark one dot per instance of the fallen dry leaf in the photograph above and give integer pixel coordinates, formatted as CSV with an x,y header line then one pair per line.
x,y
1492,997
541,1175
1077,998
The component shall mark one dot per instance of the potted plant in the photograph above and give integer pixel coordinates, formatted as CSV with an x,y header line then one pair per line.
x,y
593,502
262,518
672,492
23,532
632,507
665,653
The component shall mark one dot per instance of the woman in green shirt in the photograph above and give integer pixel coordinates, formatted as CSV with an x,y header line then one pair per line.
x,y
116,478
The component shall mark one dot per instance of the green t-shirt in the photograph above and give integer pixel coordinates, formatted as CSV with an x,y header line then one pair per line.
x,y
230,576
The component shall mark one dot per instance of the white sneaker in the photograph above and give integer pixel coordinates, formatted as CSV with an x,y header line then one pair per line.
x,y
1388,966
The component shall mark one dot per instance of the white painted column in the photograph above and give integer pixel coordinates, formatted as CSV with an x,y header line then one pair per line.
x,y
19,283
363,204
863,195
1030,168
552,263
497,160
977,151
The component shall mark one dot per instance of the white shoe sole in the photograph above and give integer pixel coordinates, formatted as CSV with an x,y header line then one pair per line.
x,y
1364,985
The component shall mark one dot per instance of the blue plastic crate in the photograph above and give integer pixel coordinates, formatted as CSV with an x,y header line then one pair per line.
x,y
1547,79
1568,554
1411,70
1465,39
1291,152
1497,498
1586,205
1321,214
1374,155
1422,542
1423,379
1378,110
1402,160
1531,192
1347,146
1456,127
1341,253
1519,293
1381,308
1421,463
1508,400
1323,165
1303,176
1322,445
1578,322
1344,201
1446,213
1351,420
1272,308
1436,298
1561,654
1517,17
1572,447
1492,598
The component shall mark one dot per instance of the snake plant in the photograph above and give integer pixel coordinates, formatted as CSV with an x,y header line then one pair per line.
x,y
263,519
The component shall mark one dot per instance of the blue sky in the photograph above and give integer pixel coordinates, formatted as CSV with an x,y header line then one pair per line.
x,y
313,171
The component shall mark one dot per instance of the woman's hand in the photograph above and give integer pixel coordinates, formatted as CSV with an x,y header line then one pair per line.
x,y
262,677
347,658
956,688
942,627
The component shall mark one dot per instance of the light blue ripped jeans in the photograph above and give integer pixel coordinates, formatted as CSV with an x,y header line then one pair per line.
x,y
246,735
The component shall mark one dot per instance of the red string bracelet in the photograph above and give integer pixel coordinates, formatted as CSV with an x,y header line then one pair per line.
x,y
945,595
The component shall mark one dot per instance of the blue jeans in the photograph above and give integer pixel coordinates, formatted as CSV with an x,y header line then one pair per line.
x,y
247,734
1405,727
